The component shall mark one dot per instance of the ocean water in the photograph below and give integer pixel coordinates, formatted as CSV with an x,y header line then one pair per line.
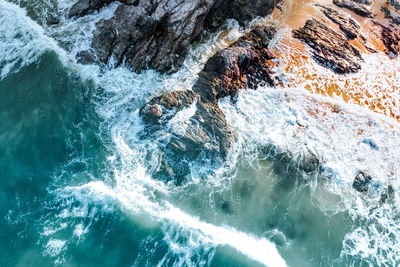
x,y
77,186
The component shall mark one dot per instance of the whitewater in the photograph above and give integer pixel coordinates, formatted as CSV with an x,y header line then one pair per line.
x,y
75,144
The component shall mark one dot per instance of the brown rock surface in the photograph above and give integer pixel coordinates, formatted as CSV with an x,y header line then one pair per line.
x,y
329,46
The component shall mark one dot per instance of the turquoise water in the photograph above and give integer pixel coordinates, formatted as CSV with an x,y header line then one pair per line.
x,y
77,186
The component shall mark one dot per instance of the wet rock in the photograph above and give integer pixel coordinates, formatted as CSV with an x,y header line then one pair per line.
x,y
242,11
387,195
371,144
83,7
330,47
394,3
164,107
309,162
245,64
157,34
393,16
85,57
152,34
390,36
361,182
358,6
207,137
205,140
347,24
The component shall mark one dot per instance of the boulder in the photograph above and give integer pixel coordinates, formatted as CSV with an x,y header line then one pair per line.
x,y
245,64
361,182
205,139
83,7
330,47
360,7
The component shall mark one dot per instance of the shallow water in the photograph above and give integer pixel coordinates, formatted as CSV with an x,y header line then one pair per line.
x,y
77,184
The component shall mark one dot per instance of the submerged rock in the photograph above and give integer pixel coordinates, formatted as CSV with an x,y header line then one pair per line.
x,y
360,7
361,182
157,34
206,137
330,47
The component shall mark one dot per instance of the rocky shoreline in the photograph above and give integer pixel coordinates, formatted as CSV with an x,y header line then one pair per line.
x,y
157,34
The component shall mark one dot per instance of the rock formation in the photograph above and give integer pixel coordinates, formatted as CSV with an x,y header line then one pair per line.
x,y
329,46
347,24
360,7
156,34
390,35
207,137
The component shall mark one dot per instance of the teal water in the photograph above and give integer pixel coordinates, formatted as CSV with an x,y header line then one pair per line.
x,y
77,188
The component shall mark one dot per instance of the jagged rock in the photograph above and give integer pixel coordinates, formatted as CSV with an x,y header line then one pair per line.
x,y
164,107
83,7
347,24
207,137
157,34
361,182
152,34
243,64
393,16
390,36
394,3
329,47
242,11
358,6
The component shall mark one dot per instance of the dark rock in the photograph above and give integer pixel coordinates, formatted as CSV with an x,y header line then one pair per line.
x,y
83,7
347,24
205,141
242,11
245,64
393,16
387,195
357,6
394,3
164,107
152,34
329,47
309,162
207,137
361,182
157,34
390,36
371,144
365,2
86,57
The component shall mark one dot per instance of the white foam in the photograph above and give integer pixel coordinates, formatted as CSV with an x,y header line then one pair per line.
x,y
22,43
55,246
260,250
